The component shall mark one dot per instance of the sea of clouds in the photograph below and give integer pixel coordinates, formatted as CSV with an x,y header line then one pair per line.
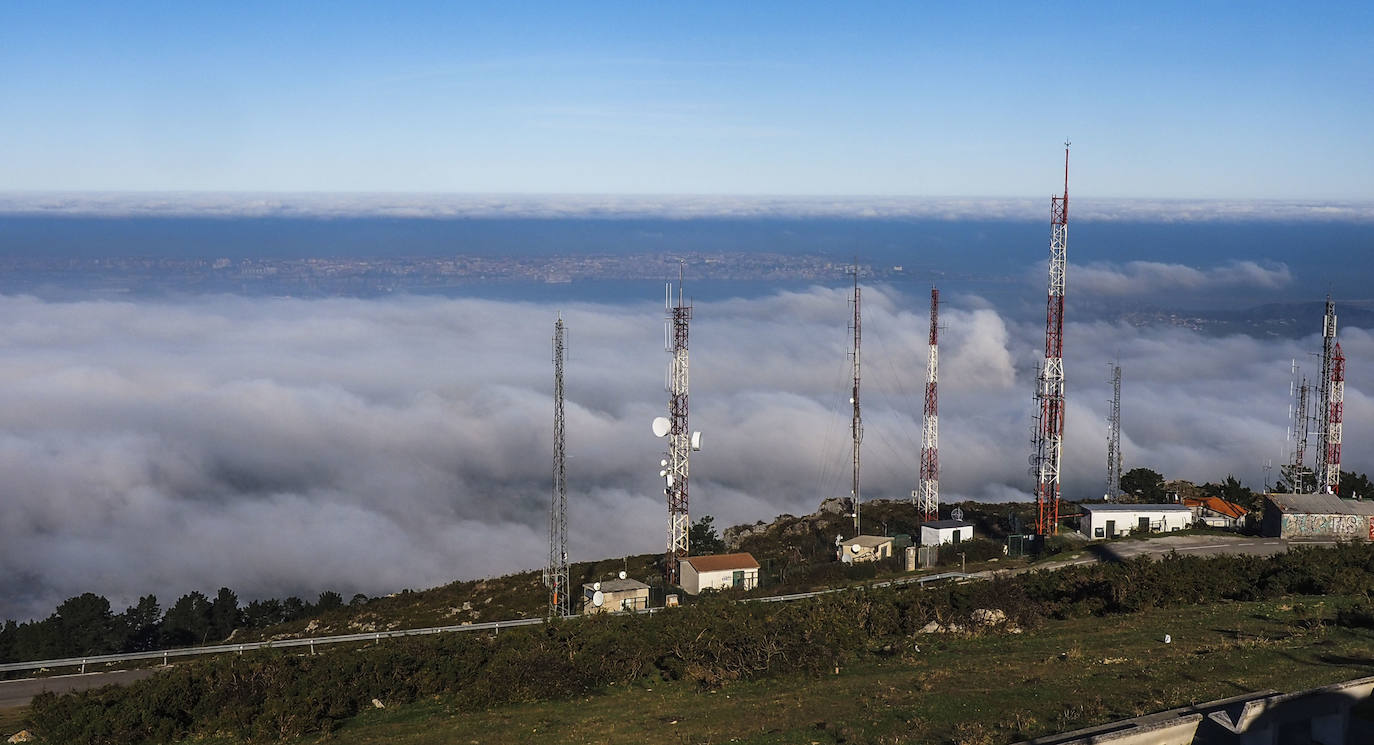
x,y
285,446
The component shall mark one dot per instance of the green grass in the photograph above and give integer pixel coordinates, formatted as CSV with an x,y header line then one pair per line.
x,y
991,688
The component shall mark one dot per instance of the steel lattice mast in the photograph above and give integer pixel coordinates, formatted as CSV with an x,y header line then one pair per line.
x,y
1328,430
1300,429
1114,439
1335,416
856,424
556,575
928,496
1049,439
679,434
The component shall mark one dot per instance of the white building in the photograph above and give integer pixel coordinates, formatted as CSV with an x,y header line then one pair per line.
x,y
719,572
614,596
863,548
1115,520
936,532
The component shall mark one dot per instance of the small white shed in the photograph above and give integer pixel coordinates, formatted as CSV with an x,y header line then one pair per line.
x,y
719,572
1115,520
937,532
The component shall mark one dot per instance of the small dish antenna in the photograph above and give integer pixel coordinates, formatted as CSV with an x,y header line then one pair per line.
x,y
598,598
596,586
839,539
696,440
854,548
661,426
622,575
957,513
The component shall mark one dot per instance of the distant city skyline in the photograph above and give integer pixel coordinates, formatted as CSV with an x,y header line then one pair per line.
x,y
1193,101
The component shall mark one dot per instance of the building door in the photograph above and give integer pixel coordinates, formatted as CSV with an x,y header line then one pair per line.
x,y
1111,528
1143,525
738,579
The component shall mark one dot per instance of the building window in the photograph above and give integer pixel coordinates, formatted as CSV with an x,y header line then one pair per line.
x,y
1098,533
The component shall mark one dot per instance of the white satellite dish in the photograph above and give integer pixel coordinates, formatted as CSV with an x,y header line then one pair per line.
x,y
622,575
696,440
839,539
661,426
596,586
957,513
854,548
598,598
663,463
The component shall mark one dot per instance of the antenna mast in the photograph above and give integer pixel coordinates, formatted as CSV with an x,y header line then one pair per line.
x,y
1332,405
856,424
680,437
928,496
1301,428
1049,433
556,576
1114,439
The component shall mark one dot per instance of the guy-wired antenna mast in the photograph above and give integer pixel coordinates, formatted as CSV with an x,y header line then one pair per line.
x,y
928,496
681,440
856,425
1332,406
1049,432
1114,439
556,576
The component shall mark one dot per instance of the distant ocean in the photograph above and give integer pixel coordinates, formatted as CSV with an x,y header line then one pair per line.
x,y
983,254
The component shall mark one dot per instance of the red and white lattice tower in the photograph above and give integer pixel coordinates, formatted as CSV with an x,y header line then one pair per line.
x,y
1049,431
1332,410
928,495
681,440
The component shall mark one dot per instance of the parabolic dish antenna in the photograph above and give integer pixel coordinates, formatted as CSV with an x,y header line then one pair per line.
x,y
854,548
596,585
661,426
598,598
622,575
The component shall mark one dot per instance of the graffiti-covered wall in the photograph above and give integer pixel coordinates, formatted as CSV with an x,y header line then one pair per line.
x,y
1344,527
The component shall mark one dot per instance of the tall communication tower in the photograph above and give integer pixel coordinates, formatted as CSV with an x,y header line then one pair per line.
x,y
856,424
681,439
1332,398
1049,431
928,496
556,575
1114,439
1301,475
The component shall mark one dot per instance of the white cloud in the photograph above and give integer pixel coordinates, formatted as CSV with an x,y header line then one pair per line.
x,y
287,446
672,206
1153,277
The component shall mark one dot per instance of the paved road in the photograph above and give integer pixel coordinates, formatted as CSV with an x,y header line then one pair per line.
x,y
15,693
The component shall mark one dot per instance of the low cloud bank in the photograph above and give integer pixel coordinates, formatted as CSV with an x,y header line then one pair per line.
x,y
683,206
288,446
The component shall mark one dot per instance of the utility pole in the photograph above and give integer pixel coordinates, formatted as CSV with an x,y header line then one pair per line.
x,y
928,496
556,576
856,425
1114,438
1049,433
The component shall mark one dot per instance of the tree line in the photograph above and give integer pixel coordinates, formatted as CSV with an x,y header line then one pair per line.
x,y
87,625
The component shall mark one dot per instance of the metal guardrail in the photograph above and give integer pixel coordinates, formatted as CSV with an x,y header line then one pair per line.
x,y
372,636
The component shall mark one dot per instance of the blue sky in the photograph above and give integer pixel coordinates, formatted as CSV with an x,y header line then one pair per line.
x,y
1195,100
